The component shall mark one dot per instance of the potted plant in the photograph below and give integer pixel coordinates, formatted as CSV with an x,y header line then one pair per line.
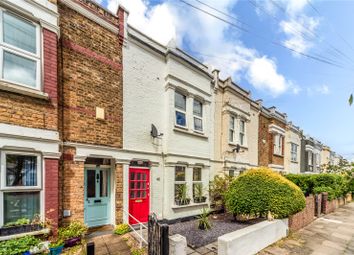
x,y
203,220
198,194
73,233
56,246
181,195
21,225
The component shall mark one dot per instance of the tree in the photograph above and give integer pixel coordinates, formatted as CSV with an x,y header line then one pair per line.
x,y
351,99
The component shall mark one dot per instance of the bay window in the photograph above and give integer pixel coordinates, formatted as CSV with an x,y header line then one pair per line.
x,y
20,186
19,50
180,109
198,115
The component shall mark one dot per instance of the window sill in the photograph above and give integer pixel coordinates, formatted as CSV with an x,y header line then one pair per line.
x,y
295,162
33,233
189,205
186,131
278,155
11,87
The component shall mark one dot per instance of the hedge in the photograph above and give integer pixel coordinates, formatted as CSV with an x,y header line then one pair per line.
x,y
261,190
336,185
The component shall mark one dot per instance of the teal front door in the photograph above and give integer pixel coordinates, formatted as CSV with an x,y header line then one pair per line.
x,y
97,196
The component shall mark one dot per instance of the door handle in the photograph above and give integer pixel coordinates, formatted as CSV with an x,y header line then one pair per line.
x,y
97,201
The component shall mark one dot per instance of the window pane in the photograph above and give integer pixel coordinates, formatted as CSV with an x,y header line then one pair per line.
x,y
231,135
197,108
197,174
21,170
19,69
19,33
180,173
180,101
242,136
232,122
132,185
91,183
180,119
242,126
19,205
232,173
198,124
103,183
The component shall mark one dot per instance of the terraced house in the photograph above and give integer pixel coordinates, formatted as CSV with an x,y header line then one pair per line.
x,y
272,125
29,137
236,128
292,149
168,130
91,117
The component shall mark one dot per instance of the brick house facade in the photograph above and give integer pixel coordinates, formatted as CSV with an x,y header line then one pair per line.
x,y
29,137
91,89
271,140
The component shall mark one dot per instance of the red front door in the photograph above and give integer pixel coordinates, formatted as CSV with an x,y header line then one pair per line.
x,y
139,194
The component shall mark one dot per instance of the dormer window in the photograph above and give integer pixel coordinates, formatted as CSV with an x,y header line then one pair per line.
x,y
19,50
198,115
180,109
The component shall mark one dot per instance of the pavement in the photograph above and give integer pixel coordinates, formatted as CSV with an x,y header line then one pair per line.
x,y
332,234
110,244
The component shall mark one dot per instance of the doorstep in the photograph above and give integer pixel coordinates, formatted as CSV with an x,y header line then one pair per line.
x,y
33,233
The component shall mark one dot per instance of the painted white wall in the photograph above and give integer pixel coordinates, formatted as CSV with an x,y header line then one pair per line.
x,y
150,77
292,136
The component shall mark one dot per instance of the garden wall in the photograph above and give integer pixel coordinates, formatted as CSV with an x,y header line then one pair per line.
x,y
252,239
305,217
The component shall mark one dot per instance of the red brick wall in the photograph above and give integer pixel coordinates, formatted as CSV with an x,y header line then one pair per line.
x,y
263,135
305,217
50,65
51,191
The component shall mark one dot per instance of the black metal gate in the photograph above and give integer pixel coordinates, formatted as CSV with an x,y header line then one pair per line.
x,y
158,241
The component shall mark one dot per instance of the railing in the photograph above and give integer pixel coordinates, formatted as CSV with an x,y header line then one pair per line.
x,y
141,227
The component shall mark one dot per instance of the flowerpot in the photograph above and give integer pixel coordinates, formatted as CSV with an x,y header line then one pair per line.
x,y
72,241
182,202
201,227
56,250
199,199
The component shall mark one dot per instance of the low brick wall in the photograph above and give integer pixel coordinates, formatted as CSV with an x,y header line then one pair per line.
x,y
331,206
305,217
349,198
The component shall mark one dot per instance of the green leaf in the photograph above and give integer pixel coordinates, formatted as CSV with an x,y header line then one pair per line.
x,y
351,99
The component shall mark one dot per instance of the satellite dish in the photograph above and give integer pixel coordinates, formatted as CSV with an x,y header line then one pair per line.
x,y
154,132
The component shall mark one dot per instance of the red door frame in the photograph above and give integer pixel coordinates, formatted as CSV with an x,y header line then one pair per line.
x,y
139,194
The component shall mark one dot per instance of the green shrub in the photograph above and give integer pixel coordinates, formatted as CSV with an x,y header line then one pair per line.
x,y
351,185
329,190
260,190
121,229
18,246
303,181
217,189
75,229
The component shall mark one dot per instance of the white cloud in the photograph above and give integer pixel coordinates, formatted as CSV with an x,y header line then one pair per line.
x,y
263,74
295,6
208,38
323,89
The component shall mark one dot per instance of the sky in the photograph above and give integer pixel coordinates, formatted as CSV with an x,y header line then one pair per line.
x,y
297,55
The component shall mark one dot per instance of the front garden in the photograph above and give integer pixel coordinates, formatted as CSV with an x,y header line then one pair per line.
x,y
261,194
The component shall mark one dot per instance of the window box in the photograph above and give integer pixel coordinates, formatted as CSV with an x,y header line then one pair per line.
x,y
13,230
180,202
198,200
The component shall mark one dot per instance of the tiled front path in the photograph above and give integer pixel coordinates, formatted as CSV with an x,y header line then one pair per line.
x,y
110,244
332,234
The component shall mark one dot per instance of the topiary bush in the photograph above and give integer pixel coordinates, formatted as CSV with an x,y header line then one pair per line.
x,y
261,190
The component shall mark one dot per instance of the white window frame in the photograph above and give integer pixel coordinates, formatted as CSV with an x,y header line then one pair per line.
x,y
197,182
180,110
293,152
198,117
278,144
242,132
310,160
232,129
5,189
179,182
20,52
